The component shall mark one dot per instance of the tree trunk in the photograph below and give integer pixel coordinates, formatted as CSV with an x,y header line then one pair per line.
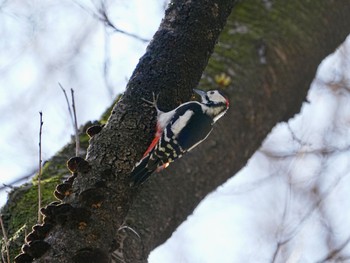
x,y
85,226
271,51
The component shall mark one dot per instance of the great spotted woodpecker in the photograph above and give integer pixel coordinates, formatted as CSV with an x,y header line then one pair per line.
x,y
179,131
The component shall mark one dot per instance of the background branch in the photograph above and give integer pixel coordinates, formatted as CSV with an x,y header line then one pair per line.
x,y
39,173
75,125
7,250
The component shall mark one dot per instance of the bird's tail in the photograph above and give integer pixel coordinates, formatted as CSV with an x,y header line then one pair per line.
x,y
143,169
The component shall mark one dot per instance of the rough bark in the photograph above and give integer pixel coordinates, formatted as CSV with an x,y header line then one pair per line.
x,y
85,230
270,49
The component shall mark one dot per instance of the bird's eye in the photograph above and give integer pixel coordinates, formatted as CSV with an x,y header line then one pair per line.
x,y
212,92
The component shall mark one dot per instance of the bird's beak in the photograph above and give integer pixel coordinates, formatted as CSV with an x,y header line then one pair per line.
x,y
200,92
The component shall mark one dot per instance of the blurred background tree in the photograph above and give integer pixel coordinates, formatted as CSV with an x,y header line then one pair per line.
x,y
265,61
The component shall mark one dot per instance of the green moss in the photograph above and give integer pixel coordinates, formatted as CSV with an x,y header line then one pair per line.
x,y
25,210
16,241
49,168
108,111
254,31
84,140
22,212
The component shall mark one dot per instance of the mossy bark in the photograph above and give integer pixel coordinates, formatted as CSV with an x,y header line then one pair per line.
x,y
101,190
270,49
20,212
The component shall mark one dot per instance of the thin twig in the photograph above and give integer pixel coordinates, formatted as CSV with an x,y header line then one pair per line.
x,y
102,16
69,109
5,239
77,141
107,64
73,117
310,211
40,164
102,11
3,257
333,253
18,180
8,186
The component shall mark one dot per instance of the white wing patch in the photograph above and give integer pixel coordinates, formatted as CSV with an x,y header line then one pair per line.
x,y
181,122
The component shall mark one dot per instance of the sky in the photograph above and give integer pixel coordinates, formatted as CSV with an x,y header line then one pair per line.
x,y
44,43
289,204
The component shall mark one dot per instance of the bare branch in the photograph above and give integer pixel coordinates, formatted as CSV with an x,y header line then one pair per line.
x,y
76,131
106,64
40,165
103,17
5,240
3,257
333,253
73,117
322,197
18,180
69,109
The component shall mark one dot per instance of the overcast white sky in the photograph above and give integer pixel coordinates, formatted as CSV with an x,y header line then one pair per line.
x,y
44,43
294,190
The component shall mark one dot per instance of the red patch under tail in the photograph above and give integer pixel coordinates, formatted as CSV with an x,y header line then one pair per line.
x,y
154,142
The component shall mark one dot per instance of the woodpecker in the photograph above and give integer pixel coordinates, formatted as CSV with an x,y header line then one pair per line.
x,y
179,131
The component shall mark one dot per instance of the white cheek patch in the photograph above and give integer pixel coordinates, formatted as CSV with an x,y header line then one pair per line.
x,y
181,122
216,97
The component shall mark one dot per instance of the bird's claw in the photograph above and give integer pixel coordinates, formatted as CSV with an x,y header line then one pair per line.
x,y
154,102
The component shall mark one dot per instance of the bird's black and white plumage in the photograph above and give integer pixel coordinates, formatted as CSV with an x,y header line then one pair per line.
x,y
179,131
